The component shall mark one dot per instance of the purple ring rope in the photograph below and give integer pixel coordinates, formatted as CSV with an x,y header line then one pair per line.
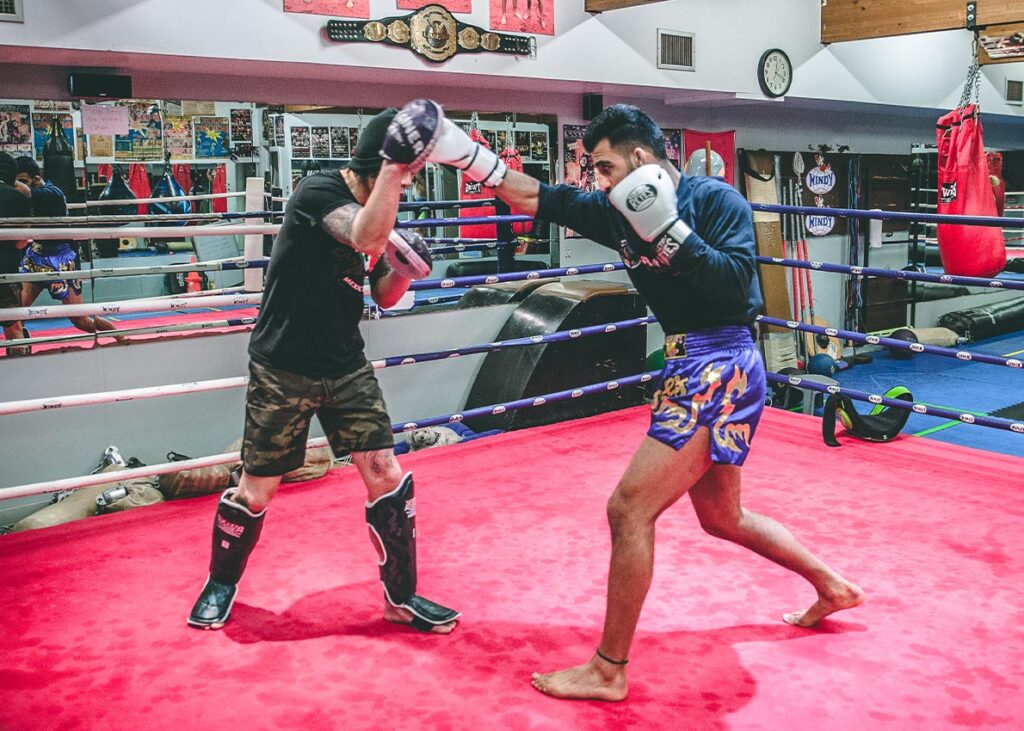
x,y
965,355
917,408
468,220
557,336
997,221
419,205
894,273
515,276
526,403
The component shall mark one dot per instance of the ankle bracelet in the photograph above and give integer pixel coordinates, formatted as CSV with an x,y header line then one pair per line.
x,y
608,659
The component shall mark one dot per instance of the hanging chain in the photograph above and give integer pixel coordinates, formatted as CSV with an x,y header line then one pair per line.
x,y
972,87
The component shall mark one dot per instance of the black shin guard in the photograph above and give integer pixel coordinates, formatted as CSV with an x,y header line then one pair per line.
x,y
392,522
235,532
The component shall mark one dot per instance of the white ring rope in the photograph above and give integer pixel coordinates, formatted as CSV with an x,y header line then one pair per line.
x,y
74,483
139,201
108,397
206,266
126,306
138,232
122,332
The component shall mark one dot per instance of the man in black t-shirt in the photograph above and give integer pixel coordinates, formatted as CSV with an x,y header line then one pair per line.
x,y
15,201
306,359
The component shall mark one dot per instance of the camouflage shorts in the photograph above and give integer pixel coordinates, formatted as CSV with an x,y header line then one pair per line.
x,y
10,296
280,405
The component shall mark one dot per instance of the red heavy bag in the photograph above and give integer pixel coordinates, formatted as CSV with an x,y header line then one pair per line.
x,y
514,161
964,189
471,190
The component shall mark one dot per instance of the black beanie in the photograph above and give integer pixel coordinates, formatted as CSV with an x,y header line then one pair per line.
x,y
8,168
366,159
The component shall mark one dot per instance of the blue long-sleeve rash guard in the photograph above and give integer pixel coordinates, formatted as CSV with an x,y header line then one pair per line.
x,y
712,278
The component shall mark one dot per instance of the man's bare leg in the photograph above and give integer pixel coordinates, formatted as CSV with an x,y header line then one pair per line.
x,y
716,498
656,478
381,473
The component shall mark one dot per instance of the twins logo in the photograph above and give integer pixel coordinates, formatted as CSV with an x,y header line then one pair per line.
x,y
641,197
232,529
948,192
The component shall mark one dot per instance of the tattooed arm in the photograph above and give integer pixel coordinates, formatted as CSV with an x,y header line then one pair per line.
x,y
386,285
365,228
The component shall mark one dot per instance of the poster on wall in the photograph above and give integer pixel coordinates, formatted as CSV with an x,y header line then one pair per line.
x,y
523,16
241,126
280,139
538,146
673,146
211,136
320,140
144,140
198,109
453,6
577,166
101,146
723,153
342,8
41,124
353,139
48,105
15,129
300,142
178,139
339,143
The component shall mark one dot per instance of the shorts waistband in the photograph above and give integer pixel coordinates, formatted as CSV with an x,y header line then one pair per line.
x,y
702,342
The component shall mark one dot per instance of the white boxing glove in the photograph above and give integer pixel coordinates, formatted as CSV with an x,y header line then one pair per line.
x,y
647,199
454,147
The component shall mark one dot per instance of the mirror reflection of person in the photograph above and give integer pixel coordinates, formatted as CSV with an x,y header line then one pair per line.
x,y
53,256
15,201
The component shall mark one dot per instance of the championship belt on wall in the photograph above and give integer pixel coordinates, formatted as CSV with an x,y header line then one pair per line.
x,y
433,33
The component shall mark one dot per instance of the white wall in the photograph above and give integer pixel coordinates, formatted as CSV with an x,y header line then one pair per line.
x,y
259,50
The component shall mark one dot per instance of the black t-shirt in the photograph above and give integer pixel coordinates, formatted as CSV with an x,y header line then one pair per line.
x,y
12,204
313,295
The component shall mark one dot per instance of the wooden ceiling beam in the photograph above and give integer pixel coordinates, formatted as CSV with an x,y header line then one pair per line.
x,y
599,6
854,20
1015,55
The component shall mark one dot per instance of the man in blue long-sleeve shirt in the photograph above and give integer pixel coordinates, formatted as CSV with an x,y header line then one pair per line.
x,y
688,244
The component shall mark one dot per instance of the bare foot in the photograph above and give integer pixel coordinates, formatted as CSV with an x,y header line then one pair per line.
x,y
398,615
596,680
844,596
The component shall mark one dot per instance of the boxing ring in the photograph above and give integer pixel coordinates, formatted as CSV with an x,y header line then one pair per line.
x,y
515,536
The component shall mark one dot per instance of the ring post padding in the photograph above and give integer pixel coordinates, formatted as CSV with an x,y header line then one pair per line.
x,y
253,247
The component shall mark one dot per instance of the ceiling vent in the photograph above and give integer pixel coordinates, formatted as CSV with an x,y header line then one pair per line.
x,y
675,50
1014,92
11,11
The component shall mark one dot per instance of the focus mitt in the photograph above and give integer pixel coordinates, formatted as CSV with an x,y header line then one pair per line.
x,y
408,255
412,134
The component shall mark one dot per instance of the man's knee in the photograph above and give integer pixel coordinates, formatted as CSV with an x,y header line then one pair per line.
x,y
256,492
720,524
625,512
